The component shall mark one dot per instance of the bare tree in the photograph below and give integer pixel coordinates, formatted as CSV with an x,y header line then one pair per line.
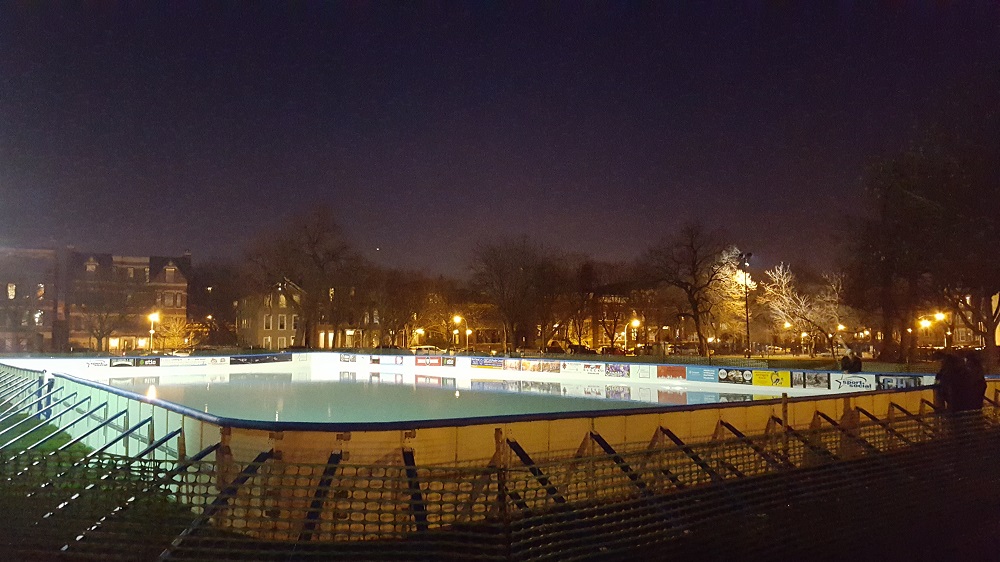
x,y
506,274
109,304
310,251
821,313
696,262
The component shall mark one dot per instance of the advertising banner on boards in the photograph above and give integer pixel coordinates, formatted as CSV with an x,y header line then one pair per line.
x,y
580,368
433,361
889,382
736,376
671,372
702,374
644,371
540,365
620,370
810,379
487,363
852,381
772,378
260,358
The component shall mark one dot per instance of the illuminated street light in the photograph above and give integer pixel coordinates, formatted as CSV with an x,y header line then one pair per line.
x,y
745,262
841,327
458,320
939,316
925,323
153,319
788,325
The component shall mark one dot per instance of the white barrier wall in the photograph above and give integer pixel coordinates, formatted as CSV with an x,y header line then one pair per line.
x,y
653,383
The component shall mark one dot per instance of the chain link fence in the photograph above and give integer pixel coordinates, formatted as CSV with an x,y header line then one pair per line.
x,y
784,492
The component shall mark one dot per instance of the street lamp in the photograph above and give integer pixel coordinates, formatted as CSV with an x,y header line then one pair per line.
x,y
458,320
153,319
745,261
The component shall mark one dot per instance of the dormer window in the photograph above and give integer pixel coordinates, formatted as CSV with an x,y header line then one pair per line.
x,y
91,265
170,274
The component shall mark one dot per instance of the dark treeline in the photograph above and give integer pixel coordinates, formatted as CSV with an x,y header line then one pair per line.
x,y
927,239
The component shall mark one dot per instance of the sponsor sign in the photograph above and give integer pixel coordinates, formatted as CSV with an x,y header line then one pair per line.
x,y
736,376
97,363
218,360
540,366
263,358
671,372
671,397
512,364
810,379
386,360
618,392
703,397
347,358
122,361
183,361
702,374
847,381
580,368
644,371
772,378
487,363
889,382
617,370
434,361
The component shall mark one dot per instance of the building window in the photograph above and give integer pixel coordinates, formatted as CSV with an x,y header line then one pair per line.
x,y
267,301
281,322
295,321
131,273
331,294
267,342
11,291
170,274
40,293
267,321
282,301
291,340
281,343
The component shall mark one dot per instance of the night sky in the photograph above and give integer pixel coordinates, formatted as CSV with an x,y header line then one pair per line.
x,y
430,128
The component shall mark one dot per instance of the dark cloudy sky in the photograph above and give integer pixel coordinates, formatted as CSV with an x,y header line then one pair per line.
x,y
151,128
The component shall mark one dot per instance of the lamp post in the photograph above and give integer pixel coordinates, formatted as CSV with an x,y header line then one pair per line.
x,y
745,261
153,319
458,321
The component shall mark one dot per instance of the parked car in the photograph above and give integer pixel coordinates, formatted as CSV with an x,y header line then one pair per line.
x,y
554,348
612,350
577,349
426,350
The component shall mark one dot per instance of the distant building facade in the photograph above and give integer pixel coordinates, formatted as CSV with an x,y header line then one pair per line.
x,y
269,320
29,302
110,298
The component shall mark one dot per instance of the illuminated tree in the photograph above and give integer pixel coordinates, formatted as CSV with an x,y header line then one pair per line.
x,y
819,312
697,263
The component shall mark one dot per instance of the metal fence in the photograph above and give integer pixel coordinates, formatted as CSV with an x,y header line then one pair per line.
x,y
783,491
